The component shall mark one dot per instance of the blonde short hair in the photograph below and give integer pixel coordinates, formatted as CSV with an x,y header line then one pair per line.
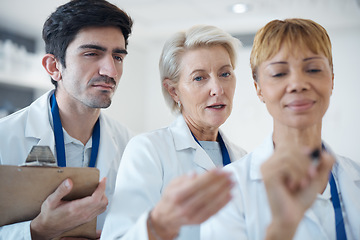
x,y
179,43
303,33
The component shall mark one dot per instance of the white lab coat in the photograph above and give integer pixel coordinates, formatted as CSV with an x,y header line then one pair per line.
x,y
31,126
149,163
248,214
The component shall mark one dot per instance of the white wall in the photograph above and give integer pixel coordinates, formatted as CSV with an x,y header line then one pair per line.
x,y
139,102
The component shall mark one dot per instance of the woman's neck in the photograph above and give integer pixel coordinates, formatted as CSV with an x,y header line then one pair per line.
x,y
308,137
202,133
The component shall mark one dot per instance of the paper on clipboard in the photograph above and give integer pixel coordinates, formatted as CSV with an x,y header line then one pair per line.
x,y
24,188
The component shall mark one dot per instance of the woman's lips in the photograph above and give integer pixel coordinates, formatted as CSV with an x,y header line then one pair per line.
x,y
217,106
300,105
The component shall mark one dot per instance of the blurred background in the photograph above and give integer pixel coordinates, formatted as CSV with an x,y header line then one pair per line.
x,y
139,103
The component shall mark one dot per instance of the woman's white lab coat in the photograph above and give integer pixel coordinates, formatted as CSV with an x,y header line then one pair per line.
x,y
149,163
248,214
32,126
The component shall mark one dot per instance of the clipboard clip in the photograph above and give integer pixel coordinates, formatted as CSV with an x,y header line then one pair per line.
x,y
40,156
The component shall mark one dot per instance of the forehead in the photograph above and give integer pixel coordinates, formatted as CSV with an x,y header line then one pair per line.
x,y
108,37
293,51
201,57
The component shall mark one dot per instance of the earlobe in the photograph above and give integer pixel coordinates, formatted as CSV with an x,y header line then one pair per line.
x,y
52,66
169,86
258,91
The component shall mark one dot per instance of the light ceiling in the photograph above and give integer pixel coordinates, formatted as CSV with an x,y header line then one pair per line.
x,y
159,18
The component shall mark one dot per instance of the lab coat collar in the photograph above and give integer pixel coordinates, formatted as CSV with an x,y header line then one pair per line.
x,y
108,148
183,139
38,123
39,126
260,155
347,178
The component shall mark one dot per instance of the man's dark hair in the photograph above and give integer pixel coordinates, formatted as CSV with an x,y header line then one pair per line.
x,y
68,19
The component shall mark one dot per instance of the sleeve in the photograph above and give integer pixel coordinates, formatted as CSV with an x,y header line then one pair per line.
x,y
229,223
138,188
17,231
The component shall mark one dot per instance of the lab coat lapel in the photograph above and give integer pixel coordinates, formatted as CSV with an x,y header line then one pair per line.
x,y
348,179
107,154
202,159
260,155
38,124
183,139
310,216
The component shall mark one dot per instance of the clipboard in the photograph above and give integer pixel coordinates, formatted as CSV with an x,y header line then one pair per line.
x,y
24,188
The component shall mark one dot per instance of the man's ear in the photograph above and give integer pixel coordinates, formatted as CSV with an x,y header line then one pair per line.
x,y
169,86
258,91
52,66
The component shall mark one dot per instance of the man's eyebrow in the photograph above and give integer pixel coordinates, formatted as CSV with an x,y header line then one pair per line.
x,y
97,47
92,46
120,51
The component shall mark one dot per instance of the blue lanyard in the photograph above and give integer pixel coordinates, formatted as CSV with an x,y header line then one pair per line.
x,y
339,220
224,151
59,137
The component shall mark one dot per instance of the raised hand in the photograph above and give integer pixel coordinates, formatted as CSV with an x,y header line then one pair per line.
x,y
190,199
292,183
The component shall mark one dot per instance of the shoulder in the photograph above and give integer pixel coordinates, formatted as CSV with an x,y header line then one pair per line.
x,y
14,118
115,128
348,165
241,167
153,138
237,151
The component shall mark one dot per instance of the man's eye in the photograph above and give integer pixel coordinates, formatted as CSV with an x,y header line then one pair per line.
x,y
90,54
118,58
198,78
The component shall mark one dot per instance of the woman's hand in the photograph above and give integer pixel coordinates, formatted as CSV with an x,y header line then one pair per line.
x,y
189,199
292,183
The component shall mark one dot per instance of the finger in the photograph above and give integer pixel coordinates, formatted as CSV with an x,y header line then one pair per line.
x,y
207,201
74,238
63,189
98,234
196,185
100,190
205,211
326,163
297,169
210,191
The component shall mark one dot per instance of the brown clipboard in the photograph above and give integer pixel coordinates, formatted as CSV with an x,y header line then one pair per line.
x,y
24,189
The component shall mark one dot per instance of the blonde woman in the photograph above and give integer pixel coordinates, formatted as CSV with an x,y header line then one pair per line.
x,y
159,192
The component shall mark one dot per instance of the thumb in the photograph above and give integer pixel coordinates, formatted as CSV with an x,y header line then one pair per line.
x,y
324,169
100,190
63,190
327,162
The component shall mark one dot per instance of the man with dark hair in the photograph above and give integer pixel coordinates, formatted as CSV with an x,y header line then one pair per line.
x,y
86,43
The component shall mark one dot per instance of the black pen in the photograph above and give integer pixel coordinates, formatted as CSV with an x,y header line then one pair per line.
x,y
315,157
